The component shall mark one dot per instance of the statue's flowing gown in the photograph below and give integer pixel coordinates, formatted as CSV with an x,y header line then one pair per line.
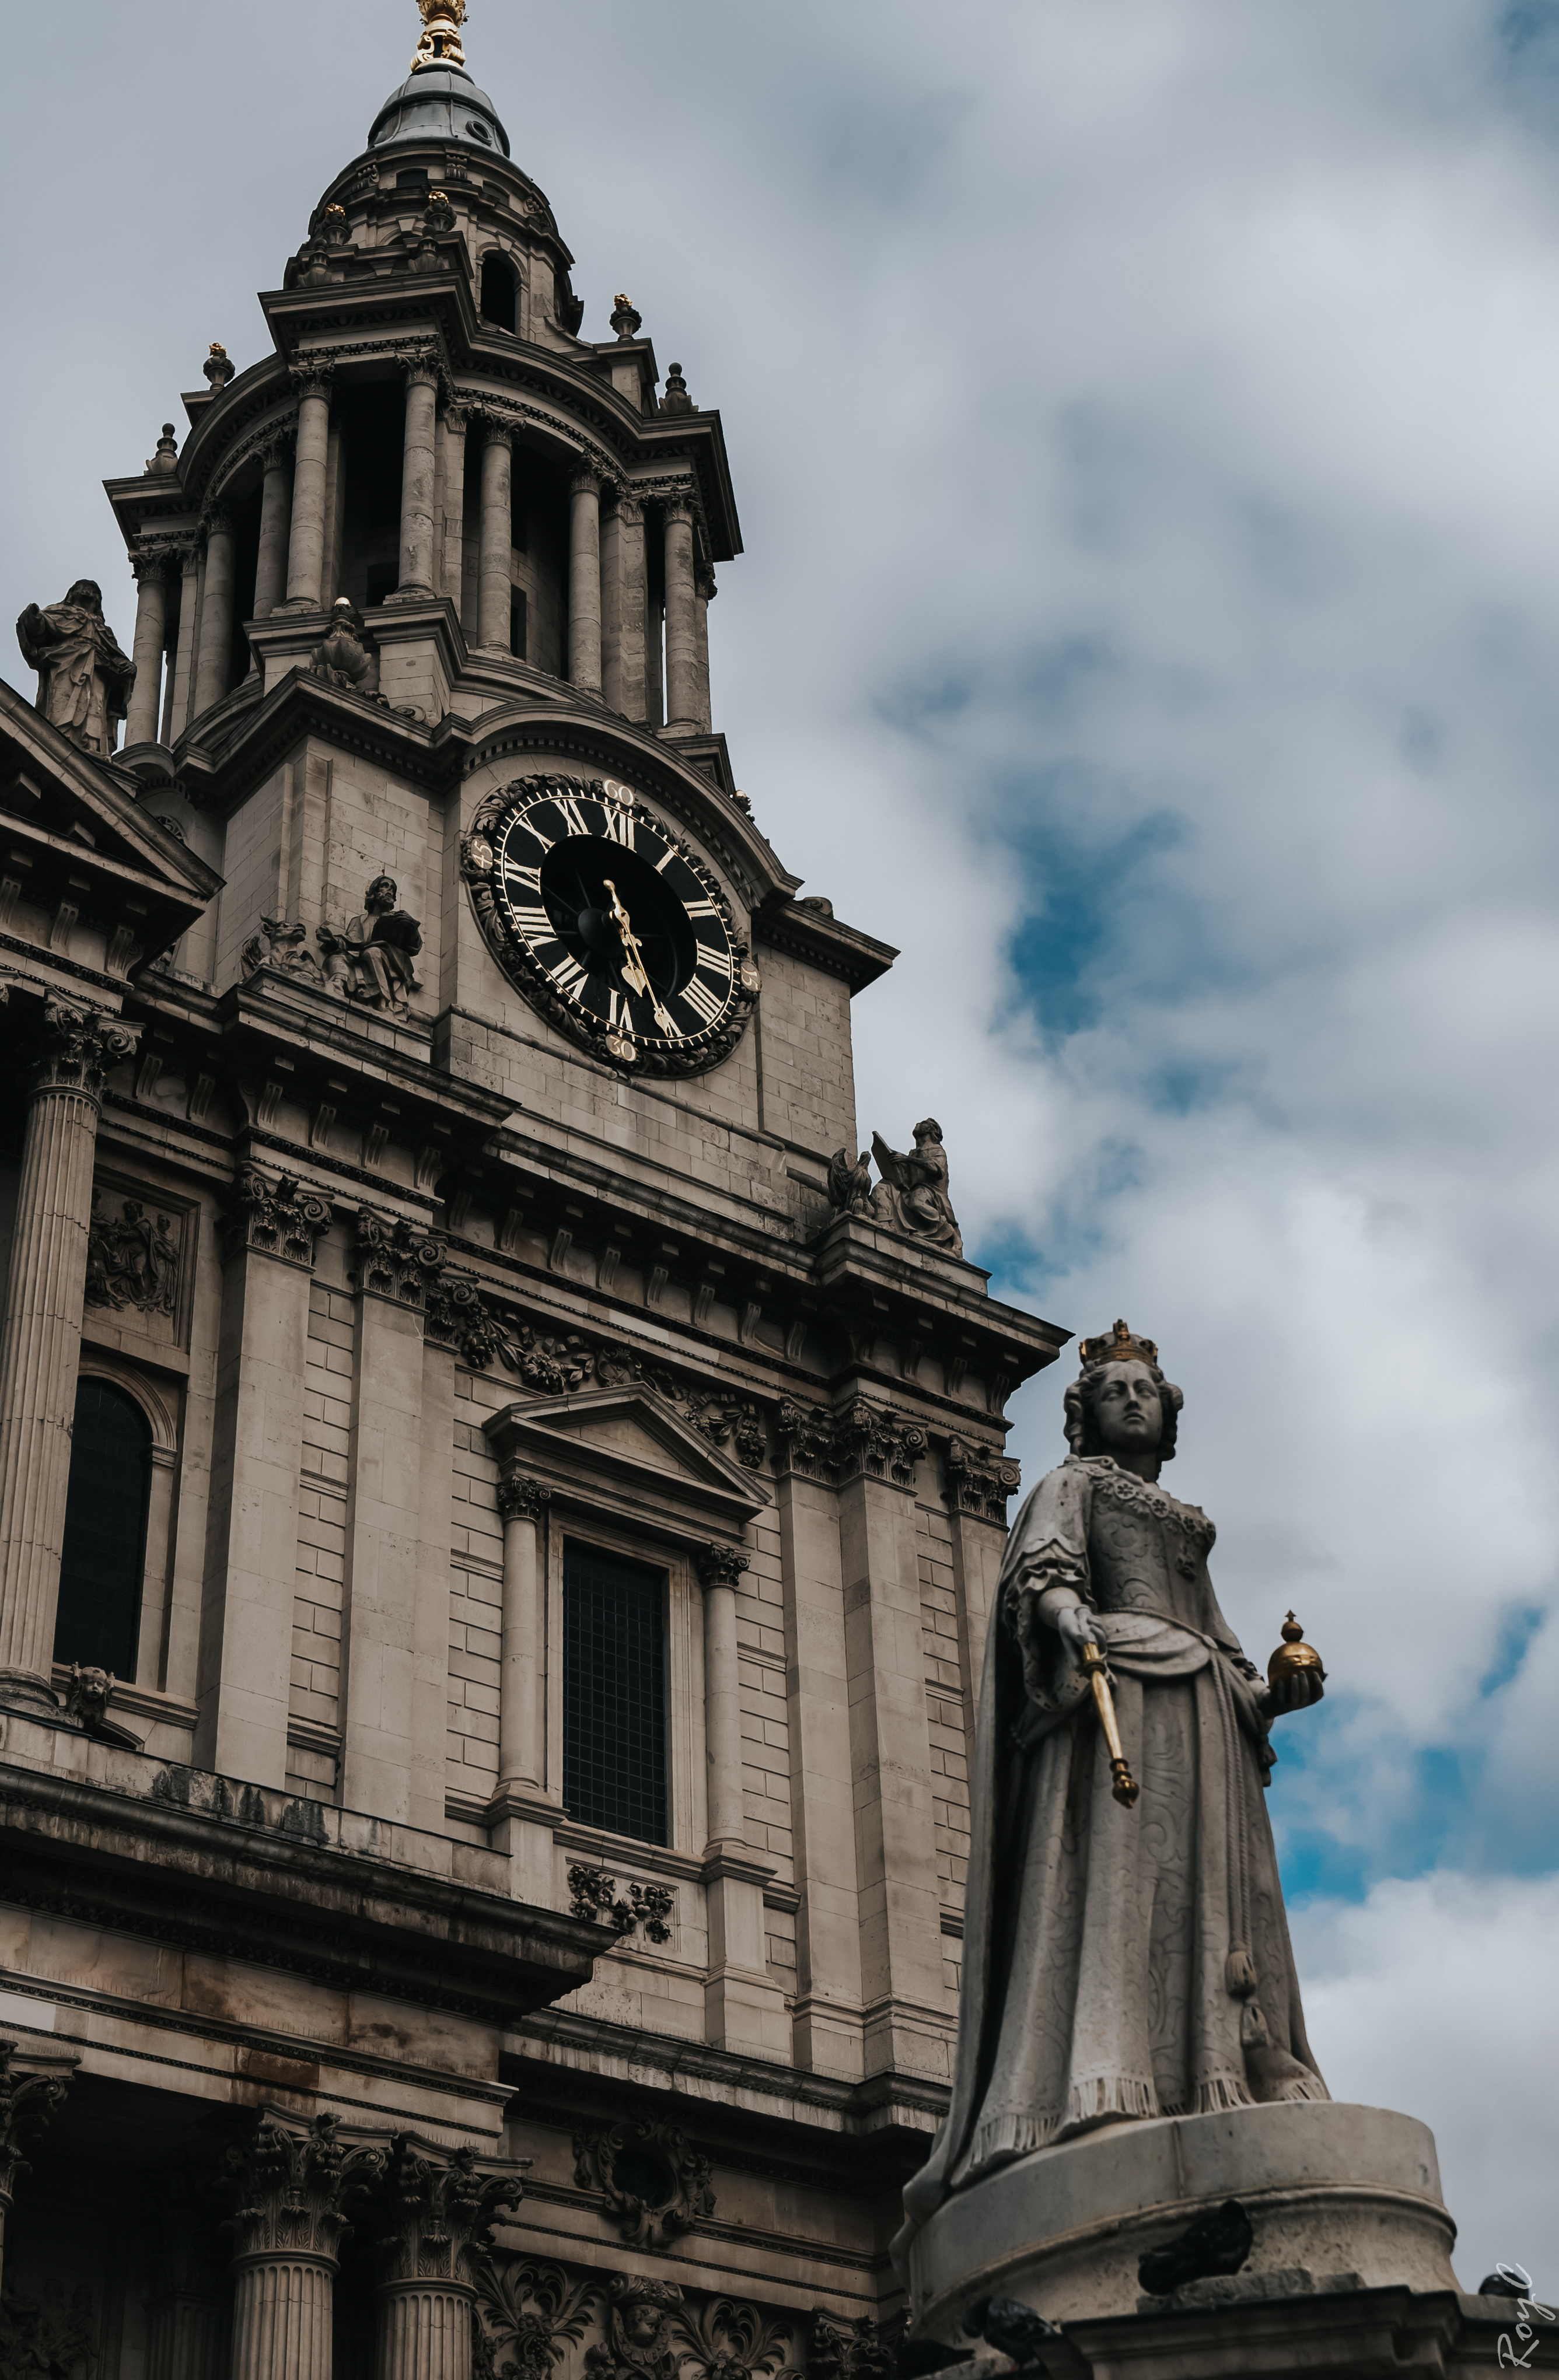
x,y
1118,1962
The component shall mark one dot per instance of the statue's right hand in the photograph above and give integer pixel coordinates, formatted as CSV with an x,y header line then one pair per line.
x,y
1078,1626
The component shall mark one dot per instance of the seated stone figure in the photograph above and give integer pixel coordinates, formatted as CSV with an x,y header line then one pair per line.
x,y
348,657
371,961
912,1195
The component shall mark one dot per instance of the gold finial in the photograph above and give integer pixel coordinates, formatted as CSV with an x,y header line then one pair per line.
x,y
440,44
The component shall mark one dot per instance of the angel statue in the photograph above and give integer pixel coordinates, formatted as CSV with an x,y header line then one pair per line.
x,y
1123,1958
912,1195
849,1183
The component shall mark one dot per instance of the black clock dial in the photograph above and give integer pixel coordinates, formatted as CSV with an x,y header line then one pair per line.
x,y
592,902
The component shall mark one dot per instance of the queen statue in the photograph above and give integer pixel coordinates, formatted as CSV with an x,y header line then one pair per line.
x,y
1125,1956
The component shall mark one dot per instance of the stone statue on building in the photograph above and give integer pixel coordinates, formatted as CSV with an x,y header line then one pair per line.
x,y
1119,1961
348,658
84,680
912,1195
372,960
849,1182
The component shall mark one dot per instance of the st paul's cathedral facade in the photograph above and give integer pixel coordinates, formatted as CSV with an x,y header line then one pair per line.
x,y
498,1511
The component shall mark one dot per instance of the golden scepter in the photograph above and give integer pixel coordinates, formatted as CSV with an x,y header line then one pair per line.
x,y
1096,1669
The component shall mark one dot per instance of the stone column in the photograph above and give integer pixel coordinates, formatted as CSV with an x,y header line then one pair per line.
x,y
584,583
305,561
215,661
497,539
28,2098
634,604
41,1353
186,2322
419,456
903,1983
452,558
521,1727
275,513
184,659
289,2189
654,681
681,627
150,636
243,1686
706,593
436,2207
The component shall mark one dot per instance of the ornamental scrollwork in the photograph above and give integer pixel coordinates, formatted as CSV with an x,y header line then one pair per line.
x,y
277,1219
592,1894
435,2210
531,2313
727,2340
656,2186
395,1260
979,1481
862,2350
82,1048
290,2188
864,1441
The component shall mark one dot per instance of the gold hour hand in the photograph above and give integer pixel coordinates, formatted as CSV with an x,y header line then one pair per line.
x,y
634,971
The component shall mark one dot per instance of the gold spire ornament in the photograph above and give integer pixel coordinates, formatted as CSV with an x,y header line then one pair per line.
x,y
440,44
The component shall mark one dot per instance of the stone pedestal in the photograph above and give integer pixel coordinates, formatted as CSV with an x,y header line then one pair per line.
x,y
1349,2196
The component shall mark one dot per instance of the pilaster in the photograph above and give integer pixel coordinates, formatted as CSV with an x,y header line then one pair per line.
x,y
744,2008
272,1227
395,1648
902,1981
46,1294
828,1986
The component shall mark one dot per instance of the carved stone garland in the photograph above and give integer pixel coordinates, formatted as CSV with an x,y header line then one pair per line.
x,y
595,1894
690,2196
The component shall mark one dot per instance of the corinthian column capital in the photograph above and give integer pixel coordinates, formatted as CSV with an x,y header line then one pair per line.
x,y
522,1499
81,1047
436,2210
28,2099
289,2189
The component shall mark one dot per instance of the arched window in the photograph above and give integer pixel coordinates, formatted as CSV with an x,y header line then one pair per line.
x,y
100,1571
499,289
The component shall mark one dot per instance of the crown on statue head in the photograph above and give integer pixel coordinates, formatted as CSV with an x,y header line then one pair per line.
x,y
1122,1346
440,44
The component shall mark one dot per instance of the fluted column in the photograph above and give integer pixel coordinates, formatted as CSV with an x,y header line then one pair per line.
x,y
289,2189
151,635
215,663
305,563
497,539
275,511
633,603
719,1568
419,460
706,593
452,558
27,2101
584,583
436,2208
41,1353
681,625
522,1734
184,658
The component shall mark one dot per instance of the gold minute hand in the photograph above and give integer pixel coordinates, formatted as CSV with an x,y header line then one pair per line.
x,y
634,972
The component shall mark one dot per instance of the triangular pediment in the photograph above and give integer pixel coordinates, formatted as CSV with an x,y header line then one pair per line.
x,y
631,1448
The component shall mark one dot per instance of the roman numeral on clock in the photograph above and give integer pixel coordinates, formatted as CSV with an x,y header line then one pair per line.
x,y
620,828
568,975
534,923
704,1002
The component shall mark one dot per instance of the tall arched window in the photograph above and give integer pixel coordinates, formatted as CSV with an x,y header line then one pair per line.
x,y
499,289
100,1571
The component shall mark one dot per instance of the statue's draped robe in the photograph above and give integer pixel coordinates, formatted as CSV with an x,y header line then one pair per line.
x,y
1116,1962
86,679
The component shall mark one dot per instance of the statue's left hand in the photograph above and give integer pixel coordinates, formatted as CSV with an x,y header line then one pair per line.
x,y
1296,1691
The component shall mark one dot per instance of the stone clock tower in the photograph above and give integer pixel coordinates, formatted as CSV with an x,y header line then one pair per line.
x,y
535,1501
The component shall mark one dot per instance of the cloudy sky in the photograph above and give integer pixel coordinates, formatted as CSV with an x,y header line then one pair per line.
x,y
1145,420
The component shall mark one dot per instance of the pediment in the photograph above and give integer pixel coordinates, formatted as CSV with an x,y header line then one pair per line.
x,y
628,1449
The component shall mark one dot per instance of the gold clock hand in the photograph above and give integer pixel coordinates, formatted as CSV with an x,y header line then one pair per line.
x,y
633,965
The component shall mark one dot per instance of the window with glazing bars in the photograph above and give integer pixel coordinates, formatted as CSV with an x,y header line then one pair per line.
x,y
613,1693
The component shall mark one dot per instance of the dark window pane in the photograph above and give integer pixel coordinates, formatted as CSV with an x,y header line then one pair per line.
x,y
614,1694
104,1531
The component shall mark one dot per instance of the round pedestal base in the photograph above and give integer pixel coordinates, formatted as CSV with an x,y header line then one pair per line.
x,y
1329,2189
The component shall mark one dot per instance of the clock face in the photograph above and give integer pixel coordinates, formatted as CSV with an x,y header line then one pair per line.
x,y
607,919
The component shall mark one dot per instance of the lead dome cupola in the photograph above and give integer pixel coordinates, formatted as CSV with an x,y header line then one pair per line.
x,y
440,102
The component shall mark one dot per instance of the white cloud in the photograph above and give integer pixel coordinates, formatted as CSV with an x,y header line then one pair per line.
x,y
1435,1998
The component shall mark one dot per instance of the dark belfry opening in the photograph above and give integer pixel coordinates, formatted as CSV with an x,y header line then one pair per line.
x,y
614,1694
372,424
517,622
499,293
104,1553
244,512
